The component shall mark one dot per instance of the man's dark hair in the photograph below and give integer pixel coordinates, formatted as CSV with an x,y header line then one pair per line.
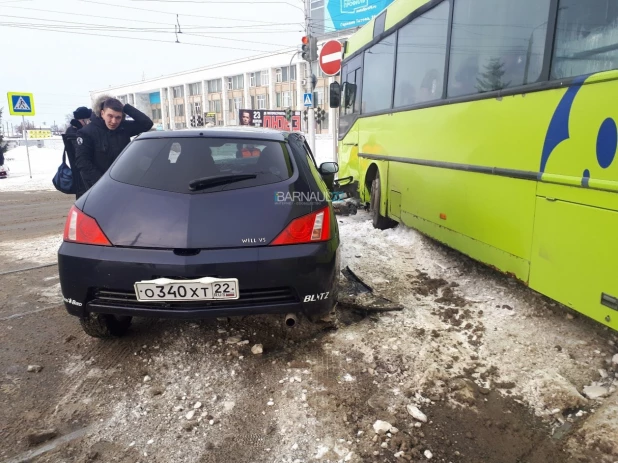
x,y
113,104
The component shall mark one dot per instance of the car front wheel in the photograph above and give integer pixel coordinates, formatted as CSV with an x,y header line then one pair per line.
x,y
105,325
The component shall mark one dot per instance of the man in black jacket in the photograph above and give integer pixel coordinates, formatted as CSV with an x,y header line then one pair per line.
x,y
81,118
100,142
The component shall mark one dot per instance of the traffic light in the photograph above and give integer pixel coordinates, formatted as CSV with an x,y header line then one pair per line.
x,y
288,114
309,48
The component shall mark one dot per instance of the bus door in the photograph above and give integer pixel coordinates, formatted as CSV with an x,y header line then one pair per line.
x,y
349,110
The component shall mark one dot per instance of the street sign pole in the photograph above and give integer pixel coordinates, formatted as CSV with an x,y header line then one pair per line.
x,y
23,127
308,87
334,126
22,104
330,64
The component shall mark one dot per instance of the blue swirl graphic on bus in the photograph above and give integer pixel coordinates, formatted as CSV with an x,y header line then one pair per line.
x,y
559,131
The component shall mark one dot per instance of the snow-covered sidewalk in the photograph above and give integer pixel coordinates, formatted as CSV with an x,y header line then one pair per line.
x,y
43,161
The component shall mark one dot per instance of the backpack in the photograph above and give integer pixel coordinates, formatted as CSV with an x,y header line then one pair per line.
x,y
63,180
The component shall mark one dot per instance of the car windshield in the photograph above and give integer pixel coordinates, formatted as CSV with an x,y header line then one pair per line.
x,y
174,164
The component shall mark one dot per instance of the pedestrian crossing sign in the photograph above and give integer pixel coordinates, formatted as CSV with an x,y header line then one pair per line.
x,y
21,104
308,99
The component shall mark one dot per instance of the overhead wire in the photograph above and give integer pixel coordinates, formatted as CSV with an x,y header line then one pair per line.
x,y
151,22
89,26
148,22
206,2
43,28
192,15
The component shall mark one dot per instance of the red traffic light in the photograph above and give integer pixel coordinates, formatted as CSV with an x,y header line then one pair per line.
x,y
305,40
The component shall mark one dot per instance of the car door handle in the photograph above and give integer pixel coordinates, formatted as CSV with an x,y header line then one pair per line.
x,y
350,144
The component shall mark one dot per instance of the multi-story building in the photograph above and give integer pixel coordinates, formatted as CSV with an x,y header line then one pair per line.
x,y
218,92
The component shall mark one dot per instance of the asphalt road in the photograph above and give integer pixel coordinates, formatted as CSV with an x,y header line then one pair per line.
x,y
32,214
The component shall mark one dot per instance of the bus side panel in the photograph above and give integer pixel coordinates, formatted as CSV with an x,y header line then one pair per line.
x,y
478,250
575,251
465,216
496,210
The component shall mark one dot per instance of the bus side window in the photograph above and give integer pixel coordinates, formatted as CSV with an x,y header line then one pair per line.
x,y
585,38
496,44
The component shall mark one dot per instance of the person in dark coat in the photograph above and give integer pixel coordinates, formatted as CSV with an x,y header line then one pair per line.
x,y
81,118
101,142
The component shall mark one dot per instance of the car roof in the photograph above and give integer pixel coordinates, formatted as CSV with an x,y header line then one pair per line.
x,y
222,132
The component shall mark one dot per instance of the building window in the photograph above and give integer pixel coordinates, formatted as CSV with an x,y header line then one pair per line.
x,y
288,73
179,110
279,77
196,108
261,102
214,86
195,89
255,79
496,45
216,106
236,82
178,92
319,96
278,99
238,104
421,54
378,72
585,34
265,78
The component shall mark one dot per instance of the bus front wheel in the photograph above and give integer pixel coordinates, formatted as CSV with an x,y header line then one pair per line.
x,y
380,222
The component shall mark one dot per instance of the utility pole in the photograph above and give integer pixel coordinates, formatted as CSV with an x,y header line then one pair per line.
x,y
309,82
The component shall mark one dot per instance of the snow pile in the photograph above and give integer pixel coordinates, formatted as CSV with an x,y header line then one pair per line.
x,y
483,323
44,163
25,253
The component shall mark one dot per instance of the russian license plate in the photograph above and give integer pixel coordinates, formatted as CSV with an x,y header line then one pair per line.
x,y
202,289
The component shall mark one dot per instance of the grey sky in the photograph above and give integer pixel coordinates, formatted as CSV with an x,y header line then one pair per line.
x,y
60,68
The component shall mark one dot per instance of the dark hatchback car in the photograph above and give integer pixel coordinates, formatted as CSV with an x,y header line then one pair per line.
x,y
199,224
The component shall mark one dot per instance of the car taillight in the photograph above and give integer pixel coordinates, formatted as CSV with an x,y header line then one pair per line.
x,y
309,228
83,229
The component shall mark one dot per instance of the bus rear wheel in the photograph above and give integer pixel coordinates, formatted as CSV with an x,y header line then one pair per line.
x,y
380,222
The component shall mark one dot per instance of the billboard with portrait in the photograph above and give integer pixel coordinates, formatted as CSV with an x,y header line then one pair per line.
x,y
270,119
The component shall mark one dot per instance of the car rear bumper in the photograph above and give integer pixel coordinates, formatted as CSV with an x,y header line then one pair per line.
x,y
272,279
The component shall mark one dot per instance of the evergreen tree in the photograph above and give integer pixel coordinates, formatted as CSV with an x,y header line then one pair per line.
x,y
492,77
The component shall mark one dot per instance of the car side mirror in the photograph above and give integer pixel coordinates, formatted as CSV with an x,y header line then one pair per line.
x,y
327,171
335,95
328,168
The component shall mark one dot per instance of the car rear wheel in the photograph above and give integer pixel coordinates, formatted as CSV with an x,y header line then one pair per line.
x,y
380,222
104,325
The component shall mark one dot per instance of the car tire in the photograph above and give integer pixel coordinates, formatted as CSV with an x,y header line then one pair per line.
x,y
105,325
380,222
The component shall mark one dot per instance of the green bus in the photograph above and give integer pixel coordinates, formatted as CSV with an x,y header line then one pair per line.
x,y
490,126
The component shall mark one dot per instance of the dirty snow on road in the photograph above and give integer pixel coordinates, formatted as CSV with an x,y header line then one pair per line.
x,y
475,368
22,254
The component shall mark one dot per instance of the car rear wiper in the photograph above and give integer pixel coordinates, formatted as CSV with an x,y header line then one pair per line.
x,y
206,182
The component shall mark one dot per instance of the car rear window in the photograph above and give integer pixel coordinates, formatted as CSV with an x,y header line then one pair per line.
x,y
171,164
